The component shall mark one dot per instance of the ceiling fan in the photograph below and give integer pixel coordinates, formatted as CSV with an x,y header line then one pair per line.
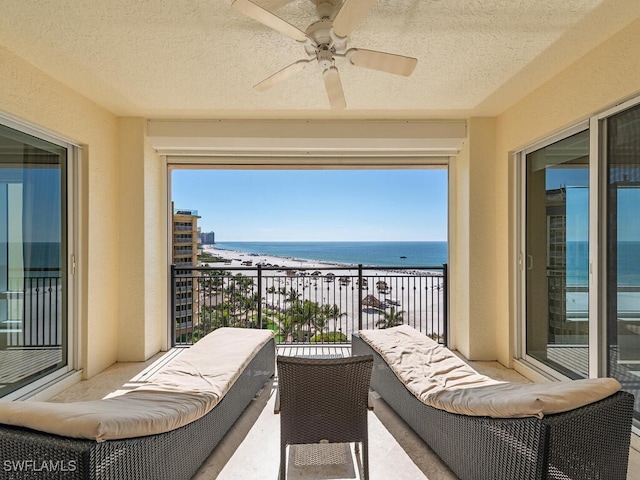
x,y
324,41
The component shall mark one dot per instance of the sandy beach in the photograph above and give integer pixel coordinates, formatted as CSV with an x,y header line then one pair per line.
x,y
413,297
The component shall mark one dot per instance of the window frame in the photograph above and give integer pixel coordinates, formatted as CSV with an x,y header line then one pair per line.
x,y
520,239
36,388
596,124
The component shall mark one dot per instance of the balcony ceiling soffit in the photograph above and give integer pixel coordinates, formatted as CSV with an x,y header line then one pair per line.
x,y
312,138
200,59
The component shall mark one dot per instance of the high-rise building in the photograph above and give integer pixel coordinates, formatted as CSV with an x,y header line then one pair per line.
x,y
208,238
185,242
567,269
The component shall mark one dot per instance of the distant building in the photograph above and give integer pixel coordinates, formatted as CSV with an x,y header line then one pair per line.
x,y
185,241
568,320
208,238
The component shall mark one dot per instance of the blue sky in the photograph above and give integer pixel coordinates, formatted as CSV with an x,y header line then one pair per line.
x,y
316,205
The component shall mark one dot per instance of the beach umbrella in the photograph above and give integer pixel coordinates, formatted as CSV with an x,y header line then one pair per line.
x,y
371,301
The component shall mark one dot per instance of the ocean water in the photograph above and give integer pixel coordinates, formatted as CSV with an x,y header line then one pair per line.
x,y
42,259
384,254
628,263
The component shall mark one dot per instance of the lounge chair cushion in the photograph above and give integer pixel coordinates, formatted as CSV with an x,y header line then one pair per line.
x,y
185,390
437,377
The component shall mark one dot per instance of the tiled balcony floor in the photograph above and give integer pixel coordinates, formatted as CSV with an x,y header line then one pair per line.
x,y
251,448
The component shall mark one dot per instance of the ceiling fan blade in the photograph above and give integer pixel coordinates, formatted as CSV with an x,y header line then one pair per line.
x,y
274,4
350,15
269,19
333,85
385,62
281,75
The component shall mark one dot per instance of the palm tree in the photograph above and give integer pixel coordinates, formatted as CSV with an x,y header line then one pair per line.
x,y
332,313
245,284
213,280
391,318
287,326
241,299
211,318
292,296
305,314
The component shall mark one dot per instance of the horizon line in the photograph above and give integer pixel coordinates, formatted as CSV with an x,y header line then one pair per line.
x,y
322,241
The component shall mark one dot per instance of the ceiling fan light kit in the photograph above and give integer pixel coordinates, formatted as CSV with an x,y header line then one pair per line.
x,y
324,41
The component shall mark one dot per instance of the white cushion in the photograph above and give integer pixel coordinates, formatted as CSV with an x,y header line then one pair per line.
x,y
189,387
437,377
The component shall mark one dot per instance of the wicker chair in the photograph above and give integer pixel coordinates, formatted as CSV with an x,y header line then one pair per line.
x,y
322,400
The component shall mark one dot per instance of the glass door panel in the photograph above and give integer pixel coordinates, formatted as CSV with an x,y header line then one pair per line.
x,y
557,255
33,326
623,250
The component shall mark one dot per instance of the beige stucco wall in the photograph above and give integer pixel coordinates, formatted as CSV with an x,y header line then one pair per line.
x,y
142,309
605,76
459,173
155,253
30,95
131,239
472,299
122,253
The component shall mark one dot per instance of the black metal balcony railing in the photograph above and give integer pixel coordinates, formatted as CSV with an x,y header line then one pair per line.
x,y
33,315
315,305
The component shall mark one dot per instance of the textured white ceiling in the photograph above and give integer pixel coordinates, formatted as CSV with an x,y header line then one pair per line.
x,y
200,58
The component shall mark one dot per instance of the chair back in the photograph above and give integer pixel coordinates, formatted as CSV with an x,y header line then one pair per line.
x,y
324,399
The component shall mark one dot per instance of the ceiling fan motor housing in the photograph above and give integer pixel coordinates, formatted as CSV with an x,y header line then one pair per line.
x,y
321,32
325,57
325,9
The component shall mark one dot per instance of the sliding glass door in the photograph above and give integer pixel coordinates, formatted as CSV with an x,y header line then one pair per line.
x,y
622,136
33,249
580,250
557,255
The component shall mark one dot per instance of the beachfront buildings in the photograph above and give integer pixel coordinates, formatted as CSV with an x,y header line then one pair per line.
x,y
184,249
186,238
108,122
208,238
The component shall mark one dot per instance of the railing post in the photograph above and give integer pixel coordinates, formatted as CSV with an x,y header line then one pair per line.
x,y
172,315
360,296
259,296
445,303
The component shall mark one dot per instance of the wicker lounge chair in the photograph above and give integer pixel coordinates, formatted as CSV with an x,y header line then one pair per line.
x,y
589,442
323,400
174,454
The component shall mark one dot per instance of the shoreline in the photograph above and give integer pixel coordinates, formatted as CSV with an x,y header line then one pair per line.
x,y
236,257
404,291
273,259
398,254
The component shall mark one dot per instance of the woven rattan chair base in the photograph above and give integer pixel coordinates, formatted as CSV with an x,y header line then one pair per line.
x,y
590,442
173,455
